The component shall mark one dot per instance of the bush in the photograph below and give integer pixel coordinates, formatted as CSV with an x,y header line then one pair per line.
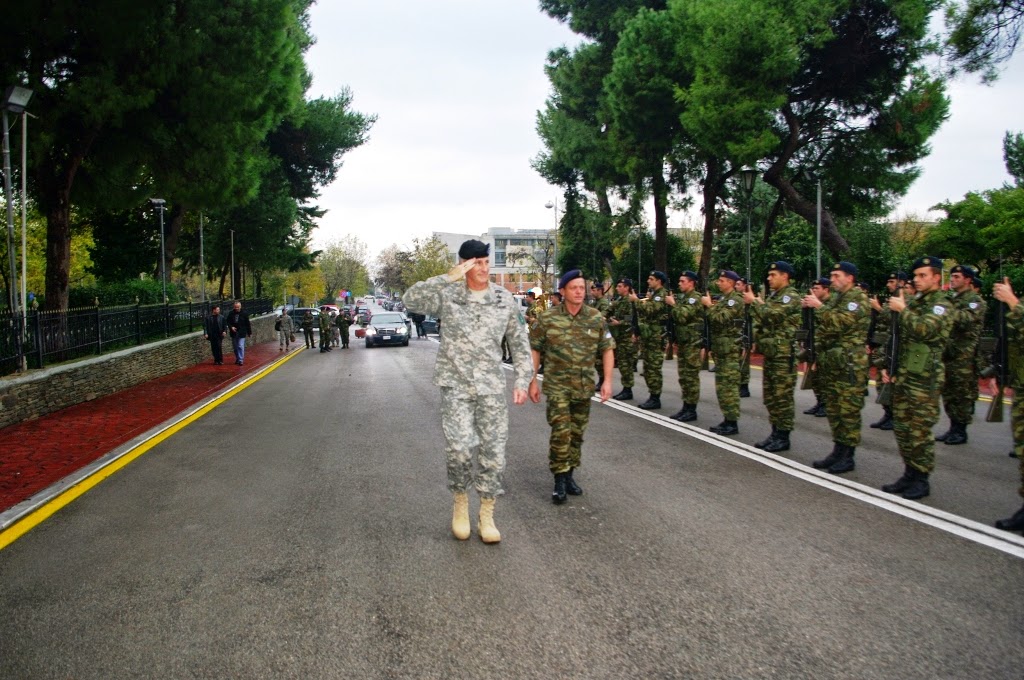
x,y
148,292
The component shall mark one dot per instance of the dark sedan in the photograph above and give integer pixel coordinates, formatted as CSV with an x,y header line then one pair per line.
x,y
387,328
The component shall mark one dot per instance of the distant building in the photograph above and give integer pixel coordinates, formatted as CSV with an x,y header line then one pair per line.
x,y
517,255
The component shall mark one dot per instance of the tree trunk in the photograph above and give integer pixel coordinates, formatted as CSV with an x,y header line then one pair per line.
x,y
659,189
710,198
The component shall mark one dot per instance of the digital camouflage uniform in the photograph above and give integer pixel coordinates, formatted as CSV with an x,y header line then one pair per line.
x,y
653,311
967,317
344,322
841,324
778,320
602,305
567,345
688,315
468,371
284,332
924,332
625,348
726,320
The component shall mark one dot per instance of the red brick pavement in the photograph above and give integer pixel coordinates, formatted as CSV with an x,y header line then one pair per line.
x,y
37,453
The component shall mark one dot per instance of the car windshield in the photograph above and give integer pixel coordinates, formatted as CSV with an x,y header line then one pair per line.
x,y
381,319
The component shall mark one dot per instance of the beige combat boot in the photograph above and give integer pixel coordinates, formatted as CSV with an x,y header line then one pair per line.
x,y
460,516
488,532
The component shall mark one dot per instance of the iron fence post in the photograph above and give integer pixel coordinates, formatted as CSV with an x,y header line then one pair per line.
x,y
99,328
138,322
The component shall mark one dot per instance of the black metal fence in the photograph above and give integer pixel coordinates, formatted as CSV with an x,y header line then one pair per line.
x,y
49,337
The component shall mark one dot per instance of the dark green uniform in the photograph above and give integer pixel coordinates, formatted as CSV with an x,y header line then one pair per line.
x,y
307,329
726,320
967,317
1015,352
567,345
653,311
625,349
841,325
602,305
778,320
688,315
344,322
325,332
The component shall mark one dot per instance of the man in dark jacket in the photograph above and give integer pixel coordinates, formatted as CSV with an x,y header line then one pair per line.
x,y
240,329
214,330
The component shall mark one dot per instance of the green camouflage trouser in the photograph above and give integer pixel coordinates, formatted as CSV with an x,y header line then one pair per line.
x,y
960,390
688,366
727,381
840,378
625,358
915,410
568,419
779,381
652,353
1017,421
744,372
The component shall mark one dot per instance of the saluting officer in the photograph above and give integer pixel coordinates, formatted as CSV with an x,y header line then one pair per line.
x,y
620,321
841,324
688,315
883,329
968,316
653,311
778,319
725,317
1015,324
925,323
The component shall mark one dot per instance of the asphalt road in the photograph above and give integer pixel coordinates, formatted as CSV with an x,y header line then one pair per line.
x,y
300,530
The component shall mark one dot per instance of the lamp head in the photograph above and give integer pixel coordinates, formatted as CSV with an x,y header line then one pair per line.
x,y
157,202
748,175
16,98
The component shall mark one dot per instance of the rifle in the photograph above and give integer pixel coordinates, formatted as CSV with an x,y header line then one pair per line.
x,y
808,354
872,329
634,320
893,348
1000,367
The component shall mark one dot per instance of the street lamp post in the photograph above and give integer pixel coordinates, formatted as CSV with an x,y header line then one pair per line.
x,y
15,100
554,266
202,263
159,204
817,254
748,175
233,265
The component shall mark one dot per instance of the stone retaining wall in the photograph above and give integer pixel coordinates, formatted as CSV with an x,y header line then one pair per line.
x,y
50,389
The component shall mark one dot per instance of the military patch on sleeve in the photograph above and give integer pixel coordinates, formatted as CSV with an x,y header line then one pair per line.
x,y
853,306
939,309
691,300
786,299
731,303
657,298
522,319
607,334
972,305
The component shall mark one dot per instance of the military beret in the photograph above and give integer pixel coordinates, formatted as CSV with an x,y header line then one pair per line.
x,y
782,266
729,274
977,282
864,286
898,275
473,248
569,276
845,267
661,276
626,281
823,281
691,275
598,284
964,269
926,261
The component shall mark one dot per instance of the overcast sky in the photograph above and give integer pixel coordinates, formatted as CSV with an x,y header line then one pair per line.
x,y
456,85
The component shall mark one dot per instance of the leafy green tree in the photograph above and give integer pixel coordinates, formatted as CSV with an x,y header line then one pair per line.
x,y
983,34
981,228
429,258
344,264
1013,156
391,262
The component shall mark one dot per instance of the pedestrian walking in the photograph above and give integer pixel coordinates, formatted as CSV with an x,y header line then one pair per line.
x,y
240,329
214,330
285,330
474,414
688,316
725,316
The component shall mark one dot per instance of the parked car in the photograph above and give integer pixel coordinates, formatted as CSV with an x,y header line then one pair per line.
x,y
298,312
387,328
431,324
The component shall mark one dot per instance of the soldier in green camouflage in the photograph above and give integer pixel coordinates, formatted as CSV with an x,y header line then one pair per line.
x,y
879,355
344,323
620,320
653,312
821,290
688,315
1003,292
981,359
841,325
567,338
725,316
925,324
778,319
325,332
742,286
602,304
968,317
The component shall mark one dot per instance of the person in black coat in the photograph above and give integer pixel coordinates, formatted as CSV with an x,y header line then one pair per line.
x,y
214,330
240,329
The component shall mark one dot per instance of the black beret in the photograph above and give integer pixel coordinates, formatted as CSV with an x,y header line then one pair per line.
x,y
782,266
964,269
569,276
977,282
844,266
626,281
743,279
473,248
898,275
926,261
598,284
729,274
661,276
691,275
824,281
864,286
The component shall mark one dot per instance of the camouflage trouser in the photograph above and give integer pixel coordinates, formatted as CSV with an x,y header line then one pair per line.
x,y
652,353
468,422
727,381
915,410
779,383
744,371
568,419
625,359
688,366
284,338
840,379
1017,421
960,390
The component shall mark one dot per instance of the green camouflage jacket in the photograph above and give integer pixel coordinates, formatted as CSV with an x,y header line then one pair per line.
x,y
568,346
622,311
842,321
726,320
924,333
967,315
778,320
653,312
688,314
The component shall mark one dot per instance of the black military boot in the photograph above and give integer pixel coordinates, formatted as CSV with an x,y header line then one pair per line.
x,y
725,427
744,390
945,435
845,462
812,410
571,487
918,487
1013,523
690,414
653,402
625,395
767,440
781,442
885,420
678,415
831,459
957,434
819,411
901,484
558,495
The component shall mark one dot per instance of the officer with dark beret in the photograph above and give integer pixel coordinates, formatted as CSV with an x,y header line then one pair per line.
x,y
879,343
622,320
725,319
742,286
967,311
653,312
688,317
599,301
821,289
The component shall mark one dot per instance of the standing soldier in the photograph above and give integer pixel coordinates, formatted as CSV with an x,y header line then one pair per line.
x,y
285,329
568,337
1015,325
925,324
725,317
344,323
653,311
879,357
821,290
688,315
602,305
778,318
841,324
307,329
325,332
533,308
967,314
742,286
620,320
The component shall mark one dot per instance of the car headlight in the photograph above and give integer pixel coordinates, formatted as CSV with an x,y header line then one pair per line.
x,y
370,330
402,331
